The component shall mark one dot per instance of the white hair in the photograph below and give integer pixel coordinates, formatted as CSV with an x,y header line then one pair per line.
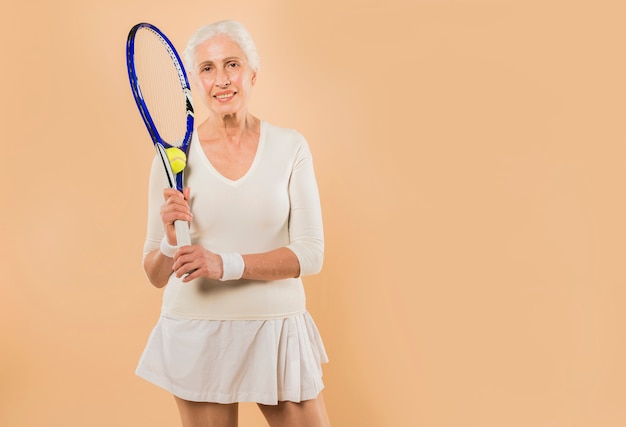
x,y
231,29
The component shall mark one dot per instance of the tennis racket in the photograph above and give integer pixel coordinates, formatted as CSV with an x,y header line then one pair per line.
x,y
161,90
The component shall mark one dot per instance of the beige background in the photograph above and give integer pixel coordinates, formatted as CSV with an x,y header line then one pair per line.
x,y
471,159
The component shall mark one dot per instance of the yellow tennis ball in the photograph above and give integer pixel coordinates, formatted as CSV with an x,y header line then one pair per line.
x,y
177,159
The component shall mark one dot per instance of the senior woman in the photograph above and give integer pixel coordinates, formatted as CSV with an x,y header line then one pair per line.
x,y
234,325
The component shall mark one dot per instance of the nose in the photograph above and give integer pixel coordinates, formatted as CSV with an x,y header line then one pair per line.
x,y
222,79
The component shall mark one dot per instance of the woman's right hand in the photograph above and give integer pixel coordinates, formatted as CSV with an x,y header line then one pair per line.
x,y
175,207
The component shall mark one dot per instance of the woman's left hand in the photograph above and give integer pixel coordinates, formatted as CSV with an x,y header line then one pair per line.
x,y
195,261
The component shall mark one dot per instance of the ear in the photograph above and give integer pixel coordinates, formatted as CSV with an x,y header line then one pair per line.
x,y
253,79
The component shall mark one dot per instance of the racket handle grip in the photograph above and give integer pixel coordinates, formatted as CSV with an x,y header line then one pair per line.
x,y
182,233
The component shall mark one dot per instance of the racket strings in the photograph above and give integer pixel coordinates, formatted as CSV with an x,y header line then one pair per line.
x,y
160,86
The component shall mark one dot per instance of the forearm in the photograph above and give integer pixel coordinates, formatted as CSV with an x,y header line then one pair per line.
x,y
278,264
158,268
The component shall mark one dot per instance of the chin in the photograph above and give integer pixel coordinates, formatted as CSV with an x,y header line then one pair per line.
x,y
227,110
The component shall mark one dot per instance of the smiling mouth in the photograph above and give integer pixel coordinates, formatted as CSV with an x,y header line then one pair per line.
x,y
224,96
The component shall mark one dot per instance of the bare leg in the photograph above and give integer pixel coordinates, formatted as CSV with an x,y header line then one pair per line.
x,y
309,413
206,414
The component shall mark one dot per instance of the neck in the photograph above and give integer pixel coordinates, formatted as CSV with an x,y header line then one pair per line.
x,y
230,127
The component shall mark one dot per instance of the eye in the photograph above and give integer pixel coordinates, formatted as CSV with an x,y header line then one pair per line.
x,y
206,68
232,64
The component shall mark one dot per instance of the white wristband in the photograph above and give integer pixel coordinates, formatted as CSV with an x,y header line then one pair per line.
x,y
233,266
167,249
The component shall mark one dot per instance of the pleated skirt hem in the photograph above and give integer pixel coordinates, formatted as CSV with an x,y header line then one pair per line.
x,y
228,361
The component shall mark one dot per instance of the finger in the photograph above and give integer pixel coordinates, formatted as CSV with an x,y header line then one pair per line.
x,y
183,256
175,197
170,193
173,210
180,267
184,251
174,214
186,270
178,199
170,218
188,263
193,274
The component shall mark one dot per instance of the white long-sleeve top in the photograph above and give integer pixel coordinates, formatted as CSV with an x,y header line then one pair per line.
x,y
275,204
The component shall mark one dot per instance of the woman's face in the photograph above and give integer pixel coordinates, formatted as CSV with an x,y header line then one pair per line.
x,y
224,76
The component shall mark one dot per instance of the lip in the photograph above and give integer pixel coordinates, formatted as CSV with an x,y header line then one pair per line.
x,y
224,96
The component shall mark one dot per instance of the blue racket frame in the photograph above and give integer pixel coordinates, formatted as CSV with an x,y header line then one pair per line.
x,y
175,180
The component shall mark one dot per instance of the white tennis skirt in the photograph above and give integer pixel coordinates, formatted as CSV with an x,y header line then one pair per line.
x,y
227,361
